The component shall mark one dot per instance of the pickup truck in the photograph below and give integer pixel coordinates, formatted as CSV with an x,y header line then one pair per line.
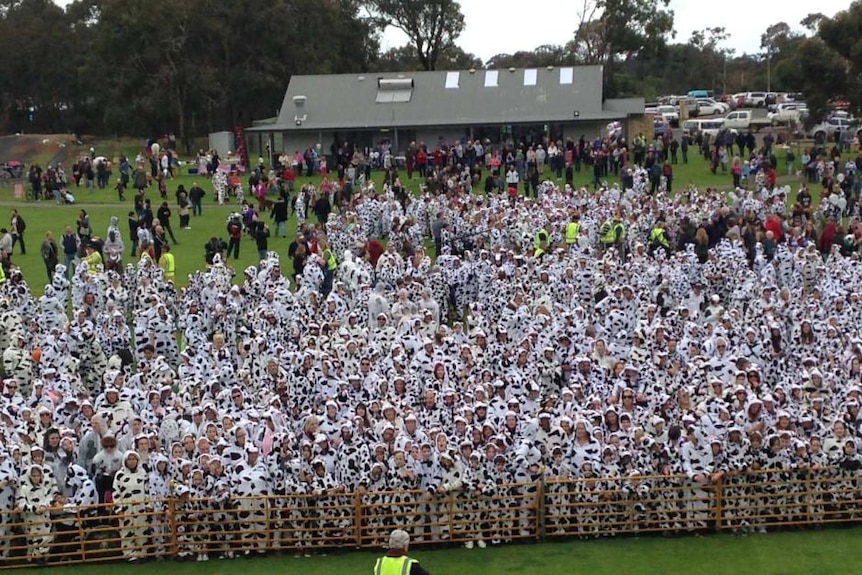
x,y
744,120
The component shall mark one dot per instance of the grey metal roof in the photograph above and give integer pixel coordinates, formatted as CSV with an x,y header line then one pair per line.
x,y
350,101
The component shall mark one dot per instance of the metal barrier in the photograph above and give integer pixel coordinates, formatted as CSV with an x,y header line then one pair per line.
x,y
189,529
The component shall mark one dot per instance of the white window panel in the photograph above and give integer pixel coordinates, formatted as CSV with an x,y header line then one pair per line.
x,y
530,76
402,96
567,75
491,78
452,79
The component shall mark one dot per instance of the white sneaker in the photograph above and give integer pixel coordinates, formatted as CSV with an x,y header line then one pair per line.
x,y
468,544
481,543
206,557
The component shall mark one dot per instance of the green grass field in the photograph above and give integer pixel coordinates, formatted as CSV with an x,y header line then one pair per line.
x,y
189,253
832,551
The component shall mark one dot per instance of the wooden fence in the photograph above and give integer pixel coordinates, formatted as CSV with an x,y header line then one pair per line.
x,y
187,529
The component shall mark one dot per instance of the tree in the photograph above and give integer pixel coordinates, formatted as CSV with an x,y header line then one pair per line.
x,y
38,67
708,39
431,25
624,28
842,34
812,22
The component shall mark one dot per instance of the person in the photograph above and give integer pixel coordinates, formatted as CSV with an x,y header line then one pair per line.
x,y
6,244
167,263
279,215
50,254
234,231
71,245
164,216
573,230
184,210
261,238
330,264
17,227
84,229
612,233
93,258
196,196
658,239
396,561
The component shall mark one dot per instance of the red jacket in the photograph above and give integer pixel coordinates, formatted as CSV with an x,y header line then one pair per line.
x,y
773,224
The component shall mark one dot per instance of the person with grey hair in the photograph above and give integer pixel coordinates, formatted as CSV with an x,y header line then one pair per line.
x,y
396,561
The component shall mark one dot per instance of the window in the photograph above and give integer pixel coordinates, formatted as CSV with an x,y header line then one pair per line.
x,y
530,76
567,75
394,90
491,78
452,80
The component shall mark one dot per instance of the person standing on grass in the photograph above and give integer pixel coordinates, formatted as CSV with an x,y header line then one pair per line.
x,y
164,216
279,214
234,231
396,561
50,253
85,232
261,238
183,204
17,227
71,244
196,196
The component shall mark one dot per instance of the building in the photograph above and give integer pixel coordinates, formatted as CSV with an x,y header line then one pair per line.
x,y
441,106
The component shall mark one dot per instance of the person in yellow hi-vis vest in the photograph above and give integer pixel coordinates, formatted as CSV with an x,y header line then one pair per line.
x,y
93,259
658,239
573,230
396,561
541,237
167,263
613,232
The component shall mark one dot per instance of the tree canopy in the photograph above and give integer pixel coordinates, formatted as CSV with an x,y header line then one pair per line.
x,y
146,67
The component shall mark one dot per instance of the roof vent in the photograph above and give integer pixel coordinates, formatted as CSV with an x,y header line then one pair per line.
x,y
299,101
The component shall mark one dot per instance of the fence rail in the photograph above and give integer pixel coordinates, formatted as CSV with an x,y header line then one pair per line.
x,y
189,529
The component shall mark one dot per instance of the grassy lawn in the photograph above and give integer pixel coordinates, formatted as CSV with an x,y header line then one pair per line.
x,y
823,552
189,253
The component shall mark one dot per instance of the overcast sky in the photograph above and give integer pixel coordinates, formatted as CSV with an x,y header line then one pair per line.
x,y
507,26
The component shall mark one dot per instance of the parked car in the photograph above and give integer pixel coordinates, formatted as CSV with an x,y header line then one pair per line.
x,y
755,99
650,109
827,128
730,99
786,113
709,107
670,114
706,126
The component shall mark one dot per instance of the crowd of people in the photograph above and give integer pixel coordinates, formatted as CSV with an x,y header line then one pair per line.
x,y
613,335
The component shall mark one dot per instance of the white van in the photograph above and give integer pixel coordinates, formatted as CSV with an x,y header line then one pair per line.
x,y
710,126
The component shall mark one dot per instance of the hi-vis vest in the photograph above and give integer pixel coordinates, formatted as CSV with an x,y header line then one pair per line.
x,y
572,231
611,230
168,265
657,237
331,263
541,235
393,566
